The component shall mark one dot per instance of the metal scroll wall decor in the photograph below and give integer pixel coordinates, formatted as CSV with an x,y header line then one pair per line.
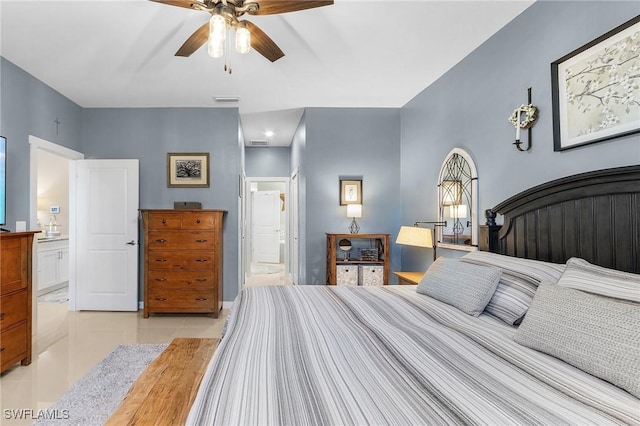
x,y
457,202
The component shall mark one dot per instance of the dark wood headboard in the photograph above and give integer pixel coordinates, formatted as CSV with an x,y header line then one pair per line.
x,y
593,215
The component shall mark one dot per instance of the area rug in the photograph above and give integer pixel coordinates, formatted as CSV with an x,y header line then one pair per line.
x,y
92,400
60,295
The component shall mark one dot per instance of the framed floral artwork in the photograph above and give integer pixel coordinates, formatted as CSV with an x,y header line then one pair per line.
x,y
596,89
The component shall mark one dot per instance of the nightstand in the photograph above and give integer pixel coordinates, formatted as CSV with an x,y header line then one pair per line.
x,y
409,278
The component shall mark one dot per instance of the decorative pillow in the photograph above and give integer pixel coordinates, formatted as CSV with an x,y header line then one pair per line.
x,y
597,334
518,283
463,285
582,275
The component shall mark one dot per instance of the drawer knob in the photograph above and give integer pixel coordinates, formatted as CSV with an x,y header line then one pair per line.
x,y
1,315
197,220
202,260
2,349
161,260
201,299
161,240
164,221
161,299
161,279
201,280
201,241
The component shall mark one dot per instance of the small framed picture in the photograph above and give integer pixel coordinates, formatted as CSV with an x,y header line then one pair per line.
x,y
596,89
350,192
188,170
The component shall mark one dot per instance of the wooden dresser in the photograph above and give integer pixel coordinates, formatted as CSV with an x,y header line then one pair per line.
x,y
182,261
15,298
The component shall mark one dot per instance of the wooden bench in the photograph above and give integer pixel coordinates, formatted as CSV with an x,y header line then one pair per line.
x,y
164,392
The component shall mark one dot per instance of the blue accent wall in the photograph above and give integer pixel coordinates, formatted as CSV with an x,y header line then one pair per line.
x,y
349,142
468,108
30,107
268,161
148,134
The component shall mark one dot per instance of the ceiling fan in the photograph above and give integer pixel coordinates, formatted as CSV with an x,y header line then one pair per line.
x,y
225,14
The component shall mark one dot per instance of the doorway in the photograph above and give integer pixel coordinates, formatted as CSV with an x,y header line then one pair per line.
x,y
267,231
50,201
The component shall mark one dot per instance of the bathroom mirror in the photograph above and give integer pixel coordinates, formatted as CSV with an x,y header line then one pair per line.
x,y
457,202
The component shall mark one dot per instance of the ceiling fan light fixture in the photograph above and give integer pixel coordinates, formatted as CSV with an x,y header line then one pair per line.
x,y
215,47
243,39
217,26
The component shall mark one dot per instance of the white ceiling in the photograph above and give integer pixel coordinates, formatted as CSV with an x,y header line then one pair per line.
x,y
355,53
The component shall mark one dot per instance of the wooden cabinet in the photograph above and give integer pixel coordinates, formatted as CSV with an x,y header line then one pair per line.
x,y
53,263
16,249
365,250
182,261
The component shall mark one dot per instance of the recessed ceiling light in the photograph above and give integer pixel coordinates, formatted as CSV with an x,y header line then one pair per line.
x,y
268,133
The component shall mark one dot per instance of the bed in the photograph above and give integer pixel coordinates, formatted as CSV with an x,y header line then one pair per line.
x,y
542,326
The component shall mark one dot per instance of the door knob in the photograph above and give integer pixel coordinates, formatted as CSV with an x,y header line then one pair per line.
x,y
131,243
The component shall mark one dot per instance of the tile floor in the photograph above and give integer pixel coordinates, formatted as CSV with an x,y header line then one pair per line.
x,y
68,344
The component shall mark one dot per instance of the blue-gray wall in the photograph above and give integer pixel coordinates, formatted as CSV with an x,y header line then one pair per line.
x,y
362,142
148,134
30,107
468,108
268,161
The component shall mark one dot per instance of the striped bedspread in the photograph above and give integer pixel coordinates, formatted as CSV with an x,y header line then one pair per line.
x,y
327,355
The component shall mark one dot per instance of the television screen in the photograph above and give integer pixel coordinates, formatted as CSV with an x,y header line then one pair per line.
x,y
3,180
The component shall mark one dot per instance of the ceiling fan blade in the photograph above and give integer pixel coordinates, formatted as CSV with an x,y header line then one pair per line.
x,y
189,4
194,42
271,7
262,43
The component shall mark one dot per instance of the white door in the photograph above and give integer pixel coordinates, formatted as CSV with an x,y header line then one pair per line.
x,y
107,235
265,222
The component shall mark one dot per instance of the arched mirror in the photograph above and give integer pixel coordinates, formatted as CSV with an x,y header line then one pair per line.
x,y
457,202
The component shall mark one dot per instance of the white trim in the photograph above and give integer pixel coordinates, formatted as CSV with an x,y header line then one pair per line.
x,y
36,144
246,219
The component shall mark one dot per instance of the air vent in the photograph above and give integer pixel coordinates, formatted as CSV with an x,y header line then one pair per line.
x,y
226,99
259,142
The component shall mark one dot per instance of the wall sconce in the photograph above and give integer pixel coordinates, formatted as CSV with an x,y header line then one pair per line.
x,y
418,237
524,117
354,211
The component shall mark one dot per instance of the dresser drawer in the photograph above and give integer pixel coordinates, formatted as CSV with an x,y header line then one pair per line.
x,y
13,309
180,260
13,273
181,300
199,220
167,279
13,346
164,220
185,240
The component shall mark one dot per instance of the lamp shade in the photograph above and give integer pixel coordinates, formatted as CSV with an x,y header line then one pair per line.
x,y
354,210
415,236
458,211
